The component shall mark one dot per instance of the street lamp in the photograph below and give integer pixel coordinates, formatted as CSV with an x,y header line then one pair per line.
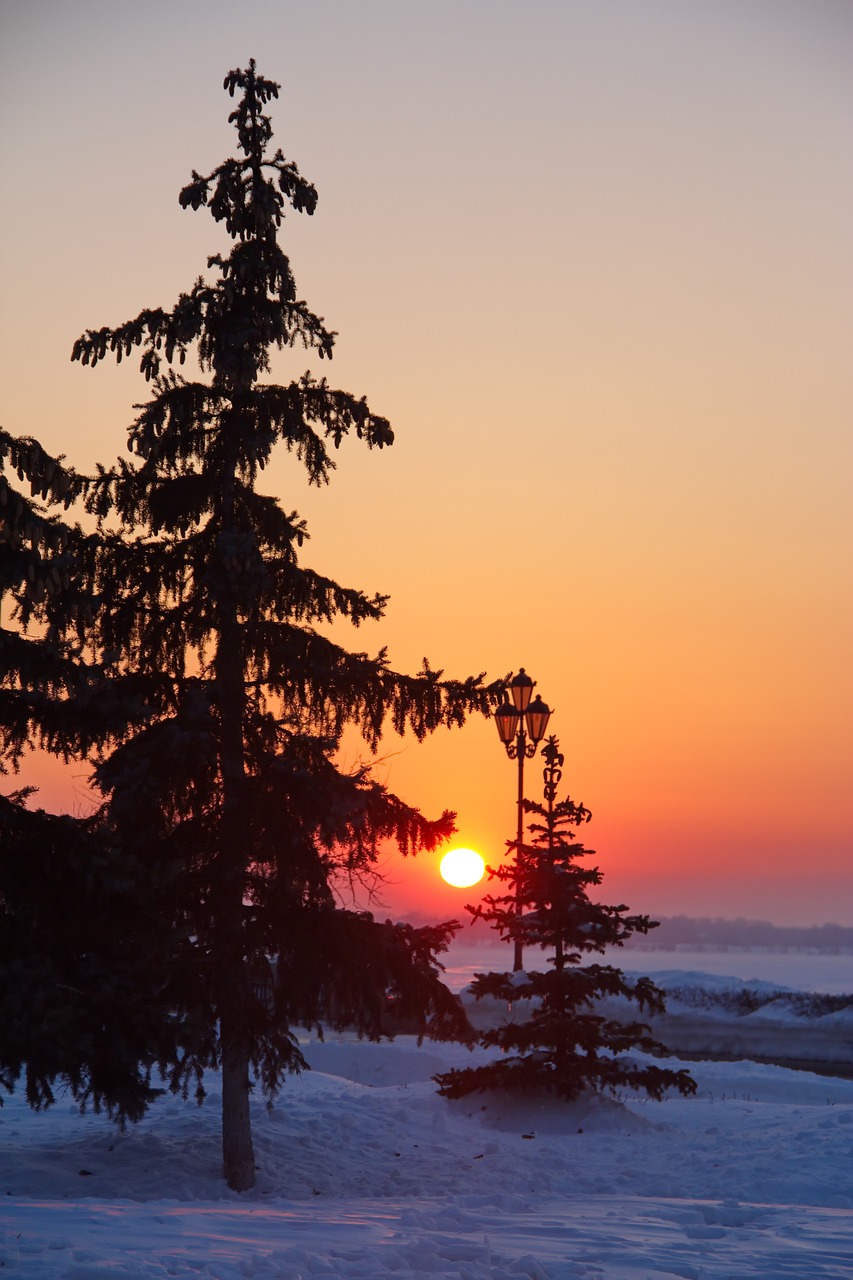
x,y
521,727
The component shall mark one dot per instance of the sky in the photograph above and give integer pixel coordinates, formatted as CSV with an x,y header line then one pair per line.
x,y
593,261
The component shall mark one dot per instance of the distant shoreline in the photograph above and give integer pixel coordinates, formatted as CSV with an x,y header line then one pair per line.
x,y
686,948
780,949
676,934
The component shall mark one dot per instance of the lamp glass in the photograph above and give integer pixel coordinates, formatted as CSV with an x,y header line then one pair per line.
x,y
521,687
507,721
538,715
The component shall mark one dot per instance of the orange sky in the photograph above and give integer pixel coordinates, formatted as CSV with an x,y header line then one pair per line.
x,y
593,261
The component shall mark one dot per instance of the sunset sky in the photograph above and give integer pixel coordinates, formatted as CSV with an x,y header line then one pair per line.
x,y
592,258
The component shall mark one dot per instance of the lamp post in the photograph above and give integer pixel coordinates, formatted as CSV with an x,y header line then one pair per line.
x,y
521,727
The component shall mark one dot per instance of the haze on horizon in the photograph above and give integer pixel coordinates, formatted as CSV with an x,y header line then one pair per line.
x,y
593,261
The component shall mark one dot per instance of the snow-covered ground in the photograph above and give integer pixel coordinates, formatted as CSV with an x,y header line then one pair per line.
x,y
365,1172
797,970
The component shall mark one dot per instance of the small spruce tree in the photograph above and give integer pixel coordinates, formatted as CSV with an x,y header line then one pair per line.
x,y
568,1044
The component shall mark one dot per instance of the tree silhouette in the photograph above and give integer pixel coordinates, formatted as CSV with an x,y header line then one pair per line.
x,y
42,673
83,929
233,779
568,1044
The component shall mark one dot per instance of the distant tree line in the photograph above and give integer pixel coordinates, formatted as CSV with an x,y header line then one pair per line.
x,y
742,1001
710,934
716,934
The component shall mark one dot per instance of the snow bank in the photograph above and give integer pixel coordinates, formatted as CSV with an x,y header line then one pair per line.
x,y
365,1172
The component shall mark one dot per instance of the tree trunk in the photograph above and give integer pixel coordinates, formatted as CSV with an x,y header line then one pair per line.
x,y
237,1154
238,1157
230,960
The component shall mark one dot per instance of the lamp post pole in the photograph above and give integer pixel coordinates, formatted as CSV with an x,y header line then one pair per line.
x,y
521,727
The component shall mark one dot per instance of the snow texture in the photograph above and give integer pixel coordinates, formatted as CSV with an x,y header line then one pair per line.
x,y
364,1173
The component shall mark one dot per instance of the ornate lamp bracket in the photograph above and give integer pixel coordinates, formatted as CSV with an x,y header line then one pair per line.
x,y
553,771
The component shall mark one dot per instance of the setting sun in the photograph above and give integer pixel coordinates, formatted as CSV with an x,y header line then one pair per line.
x,y
462,868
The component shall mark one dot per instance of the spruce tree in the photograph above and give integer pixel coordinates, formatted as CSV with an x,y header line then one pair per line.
x,y
568,1044
203,599
83,995
44,606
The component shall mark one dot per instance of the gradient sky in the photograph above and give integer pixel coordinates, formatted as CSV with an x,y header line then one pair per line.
x,y
593,260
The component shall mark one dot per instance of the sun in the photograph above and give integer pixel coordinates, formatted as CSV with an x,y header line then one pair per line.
x,y
462,868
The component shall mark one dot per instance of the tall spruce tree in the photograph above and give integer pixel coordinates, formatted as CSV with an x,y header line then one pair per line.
x,y
203,597
568,1044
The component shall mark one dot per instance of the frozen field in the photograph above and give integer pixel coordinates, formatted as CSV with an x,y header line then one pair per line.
x,y
364,1172
796,970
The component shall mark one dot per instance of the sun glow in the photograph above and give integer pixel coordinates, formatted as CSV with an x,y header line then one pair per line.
x,y
462,868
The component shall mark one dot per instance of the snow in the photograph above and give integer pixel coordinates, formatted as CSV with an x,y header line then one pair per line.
x,y
831,973
364,1172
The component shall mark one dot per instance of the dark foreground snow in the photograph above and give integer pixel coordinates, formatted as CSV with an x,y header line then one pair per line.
x,y
365,1172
